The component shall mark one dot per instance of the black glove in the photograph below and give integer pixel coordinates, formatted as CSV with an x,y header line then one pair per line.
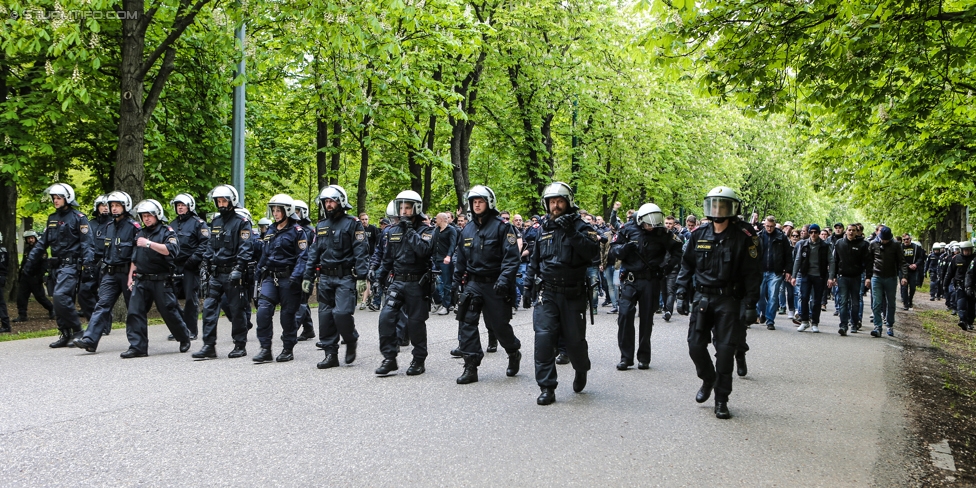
x,y
236,276
565,221
527,296
628,248
406,224
371,275
192,264
307,287
501,289
682,303
88,273
750,316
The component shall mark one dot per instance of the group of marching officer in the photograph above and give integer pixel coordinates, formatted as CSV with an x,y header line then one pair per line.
x,y
145,261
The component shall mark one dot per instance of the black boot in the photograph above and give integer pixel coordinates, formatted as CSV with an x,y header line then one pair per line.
x,y
704,392
5,329
20,318
470,375
722,410
85,343
580,381
63,340
263,356
50,314
285,356
238,352
456,352
307,333
205,352
514,362
416,367
547,397
330,361
740,363
387,368
562,358
351,351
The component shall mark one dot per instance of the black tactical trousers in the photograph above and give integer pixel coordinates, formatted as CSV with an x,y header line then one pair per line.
x,y
716,319
644,294
559,316
481,299
144,294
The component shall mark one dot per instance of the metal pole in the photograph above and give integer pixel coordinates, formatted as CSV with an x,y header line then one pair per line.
x,y
237,137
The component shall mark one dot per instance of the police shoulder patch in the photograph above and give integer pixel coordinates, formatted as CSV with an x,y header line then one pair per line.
x,y
204,231
426,236
753,252
593,235
245,233
510,237
173,240
676,238
302,244
83,229
360,235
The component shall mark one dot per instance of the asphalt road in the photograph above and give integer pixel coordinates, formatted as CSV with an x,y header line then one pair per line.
x,y
813,411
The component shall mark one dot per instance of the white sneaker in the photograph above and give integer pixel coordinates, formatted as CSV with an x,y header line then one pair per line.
x,y
814,328
789,314
803,326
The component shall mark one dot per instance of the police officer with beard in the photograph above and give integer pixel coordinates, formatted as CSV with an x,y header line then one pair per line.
x,y
88,290
722,258
564,248
31,284
340,255
279,274
151,281
227,255
485,264
193,233
68,235
407,257
118,243
648,253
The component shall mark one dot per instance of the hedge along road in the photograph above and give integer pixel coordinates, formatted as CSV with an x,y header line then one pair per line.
x,y
815,409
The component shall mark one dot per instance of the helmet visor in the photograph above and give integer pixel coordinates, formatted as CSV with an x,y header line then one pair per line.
x,y
719,207
653,219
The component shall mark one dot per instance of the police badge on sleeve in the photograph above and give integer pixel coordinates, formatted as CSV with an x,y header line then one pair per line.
x,y
204,231
302,244
83,229
511,238
360,235
245,234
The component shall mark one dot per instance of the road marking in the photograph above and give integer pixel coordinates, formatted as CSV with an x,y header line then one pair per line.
x,y
942,455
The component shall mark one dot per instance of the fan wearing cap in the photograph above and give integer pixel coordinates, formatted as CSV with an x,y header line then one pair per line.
x,y
88,290
721,266
68,235
888,263
229,250
118,242
193,233
932,270
150,279
648,252
811,265
556,273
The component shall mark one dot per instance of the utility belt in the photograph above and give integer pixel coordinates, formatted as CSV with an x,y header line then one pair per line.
x,y
153,277
338,272
66,261
482,278
565,287
408,277
715,290
223,269
118,268
279,273
647,274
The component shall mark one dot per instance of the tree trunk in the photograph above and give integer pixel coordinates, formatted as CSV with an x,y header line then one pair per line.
x,y
363,171
336,152
129,163
8,227
321,149
428,169
952,227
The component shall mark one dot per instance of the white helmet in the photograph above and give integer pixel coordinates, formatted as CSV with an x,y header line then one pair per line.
x,y
286,202
965,245
30,233
558,189
650,214
482,191
120,197
722,202
243,212
153,207
938,245
301,210
100,200
411,197
185,199
64,190
224,191
335,193
264,221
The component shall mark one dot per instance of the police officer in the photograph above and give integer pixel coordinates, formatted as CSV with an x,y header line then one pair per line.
x,y
228,252
193,233
118,242
263,224
932,269
648,253
340,255
31,283
279,276
486,262
563,250
68,235
409,246
304,313
88,290
722,257
958,276
151,281
250,272
4,269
